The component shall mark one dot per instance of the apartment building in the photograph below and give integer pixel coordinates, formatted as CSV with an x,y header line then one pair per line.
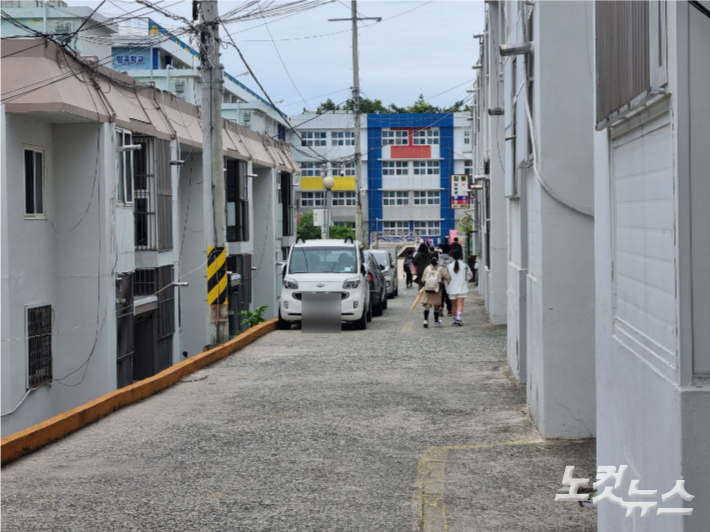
x,y
102,217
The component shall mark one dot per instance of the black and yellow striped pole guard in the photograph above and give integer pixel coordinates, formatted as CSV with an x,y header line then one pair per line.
x,y
217,276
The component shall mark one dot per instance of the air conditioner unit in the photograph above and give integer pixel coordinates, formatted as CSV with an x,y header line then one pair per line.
x,y
180,86
64,27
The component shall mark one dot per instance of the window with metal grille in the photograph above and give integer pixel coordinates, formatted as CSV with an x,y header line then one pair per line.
x,y
630,55
237,201
39,345
124,330
144,283
426,167
165,194
427,228
315,138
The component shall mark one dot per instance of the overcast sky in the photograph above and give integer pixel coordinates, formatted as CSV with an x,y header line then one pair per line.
x,y
418,48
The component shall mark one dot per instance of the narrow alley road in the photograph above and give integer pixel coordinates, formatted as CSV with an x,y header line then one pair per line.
x,y
397,428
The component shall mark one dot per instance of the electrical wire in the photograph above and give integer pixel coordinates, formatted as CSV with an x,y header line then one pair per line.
x,y
282,61
582,210
251,72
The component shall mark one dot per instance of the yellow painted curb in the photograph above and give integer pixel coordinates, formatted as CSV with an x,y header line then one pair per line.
x,y
36,436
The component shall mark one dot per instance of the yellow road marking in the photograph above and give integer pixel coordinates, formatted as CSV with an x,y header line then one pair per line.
x,y
429,485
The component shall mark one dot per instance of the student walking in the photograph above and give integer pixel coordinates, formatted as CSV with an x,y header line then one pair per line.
x,y
457,287
444,260
421,262
408,262
434,276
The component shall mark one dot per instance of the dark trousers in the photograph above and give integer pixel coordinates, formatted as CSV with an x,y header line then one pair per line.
x,y
408,273
445,299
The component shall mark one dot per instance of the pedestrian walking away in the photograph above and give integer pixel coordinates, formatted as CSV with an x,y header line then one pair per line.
x,y
434,276
421,261
408,266
457,286
444,260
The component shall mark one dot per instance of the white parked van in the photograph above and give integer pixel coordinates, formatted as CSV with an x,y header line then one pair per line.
x,y
326,266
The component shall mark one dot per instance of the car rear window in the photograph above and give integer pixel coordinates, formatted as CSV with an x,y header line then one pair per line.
x,y
381,258
323,260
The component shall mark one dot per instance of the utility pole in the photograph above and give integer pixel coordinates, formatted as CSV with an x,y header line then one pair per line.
x,y
214,206
356,110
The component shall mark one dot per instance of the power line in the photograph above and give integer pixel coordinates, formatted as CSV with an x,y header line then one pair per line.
x,y
251,72
282,60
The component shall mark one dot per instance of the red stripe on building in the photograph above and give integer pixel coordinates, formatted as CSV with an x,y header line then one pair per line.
x,y
410,152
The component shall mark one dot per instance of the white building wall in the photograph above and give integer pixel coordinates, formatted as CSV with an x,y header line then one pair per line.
x,y
61,265
652,292
495,277
267,249
192,300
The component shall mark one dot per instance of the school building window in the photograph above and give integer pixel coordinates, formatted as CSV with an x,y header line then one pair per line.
x,y
314,138
427,197
395,228
426,167
344,168
395,168
427,228
398,137
426,136
311,199
342,138
395,198
34,183
468,167
311,169
343,198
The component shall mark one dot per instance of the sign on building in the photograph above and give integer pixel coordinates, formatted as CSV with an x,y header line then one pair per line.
x,y
459,191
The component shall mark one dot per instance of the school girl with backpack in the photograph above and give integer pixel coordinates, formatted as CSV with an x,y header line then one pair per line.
x,y
433,278
457,286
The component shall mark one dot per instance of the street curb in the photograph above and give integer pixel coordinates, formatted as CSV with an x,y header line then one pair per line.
x,y
32,438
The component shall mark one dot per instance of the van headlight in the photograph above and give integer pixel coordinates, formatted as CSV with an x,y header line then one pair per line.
x,y
291,284
351,283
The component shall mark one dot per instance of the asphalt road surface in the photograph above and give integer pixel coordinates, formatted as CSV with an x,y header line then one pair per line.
x,y
396,428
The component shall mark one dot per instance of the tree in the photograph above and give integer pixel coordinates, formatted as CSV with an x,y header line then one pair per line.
x,y
368,107
422,106
328,105
306,229
341,232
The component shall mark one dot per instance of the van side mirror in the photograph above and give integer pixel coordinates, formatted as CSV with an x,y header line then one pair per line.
x,y
363,270
382,266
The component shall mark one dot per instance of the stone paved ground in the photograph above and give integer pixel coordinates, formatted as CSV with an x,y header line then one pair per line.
x,y
397,428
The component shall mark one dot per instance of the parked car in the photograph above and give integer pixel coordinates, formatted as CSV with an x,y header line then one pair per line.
x,y
389,269
378,284
326,266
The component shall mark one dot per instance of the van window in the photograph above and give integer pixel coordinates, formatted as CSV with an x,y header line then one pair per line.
x,y
323,260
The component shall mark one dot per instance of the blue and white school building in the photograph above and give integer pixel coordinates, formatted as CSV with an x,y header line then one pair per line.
x,y
412,165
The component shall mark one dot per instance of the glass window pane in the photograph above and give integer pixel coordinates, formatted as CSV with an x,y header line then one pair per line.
x,y
39,189
29,182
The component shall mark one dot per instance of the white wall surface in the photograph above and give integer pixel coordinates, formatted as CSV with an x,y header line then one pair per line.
x,y
54,265
267,249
